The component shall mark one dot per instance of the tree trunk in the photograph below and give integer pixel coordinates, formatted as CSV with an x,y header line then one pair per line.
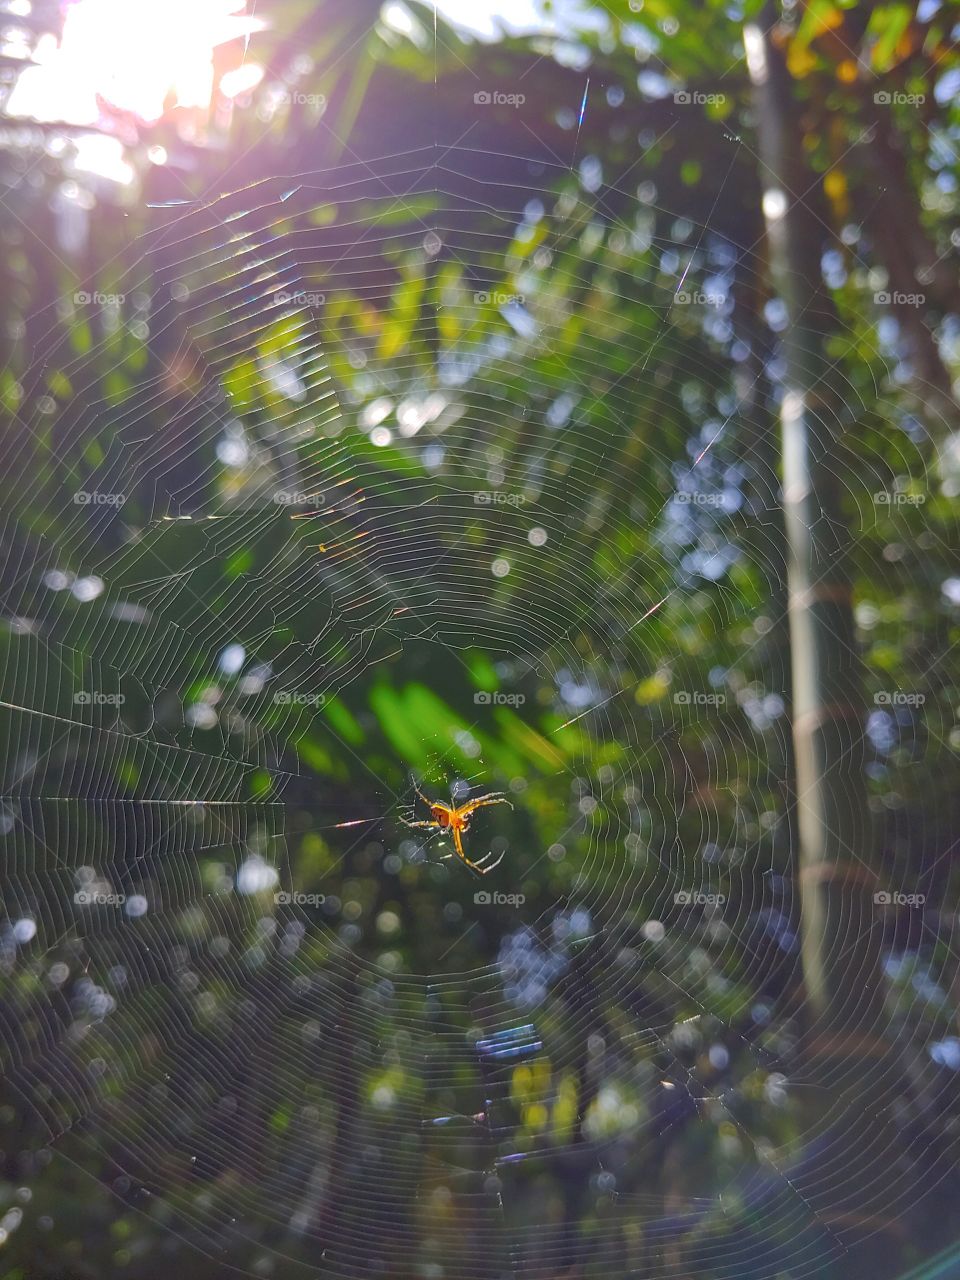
x,y
845,1174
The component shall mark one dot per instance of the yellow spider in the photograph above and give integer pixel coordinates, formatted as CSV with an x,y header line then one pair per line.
x,y
456,818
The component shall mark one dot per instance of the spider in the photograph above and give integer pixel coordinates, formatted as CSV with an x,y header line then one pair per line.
x,y
456,818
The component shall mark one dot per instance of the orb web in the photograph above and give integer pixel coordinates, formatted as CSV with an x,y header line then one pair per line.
x,y
361,432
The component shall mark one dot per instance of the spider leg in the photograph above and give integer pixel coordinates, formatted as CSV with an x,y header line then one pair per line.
x,y
428,803
479,867
481,861
435,825
458,842
496,797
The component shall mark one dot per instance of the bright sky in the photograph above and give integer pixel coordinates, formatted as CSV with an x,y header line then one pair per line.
x,y
135,53
490,17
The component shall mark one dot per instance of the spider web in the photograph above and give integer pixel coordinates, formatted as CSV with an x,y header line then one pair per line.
x,y
217,1025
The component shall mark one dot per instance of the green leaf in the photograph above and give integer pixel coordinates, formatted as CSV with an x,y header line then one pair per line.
x,y
887,25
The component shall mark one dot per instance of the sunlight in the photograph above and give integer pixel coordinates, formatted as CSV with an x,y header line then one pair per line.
x,y
139,56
